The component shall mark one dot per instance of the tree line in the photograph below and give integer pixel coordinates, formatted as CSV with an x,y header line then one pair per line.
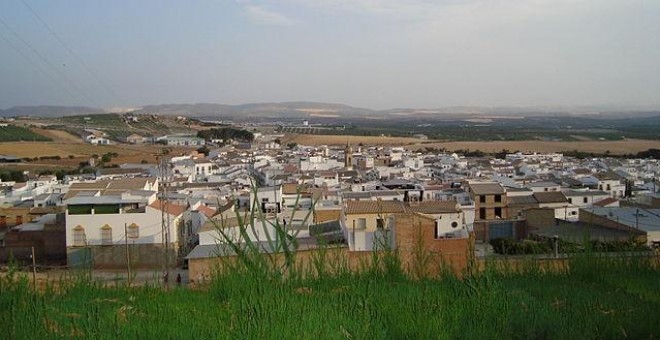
x,y
226,134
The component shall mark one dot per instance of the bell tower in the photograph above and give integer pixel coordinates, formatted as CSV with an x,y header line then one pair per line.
x,y
348,156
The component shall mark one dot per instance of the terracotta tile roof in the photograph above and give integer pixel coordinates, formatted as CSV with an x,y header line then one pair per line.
x,y
96,185
374,207
486,188
582,171
289,168
550,197
521,200
608,176
605,202
208,212
290,188
170,208
433,207
129,183
226,207
122,171
321,216
293,188
216,223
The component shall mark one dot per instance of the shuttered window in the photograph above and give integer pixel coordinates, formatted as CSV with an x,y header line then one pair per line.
x,y
106,235
79,239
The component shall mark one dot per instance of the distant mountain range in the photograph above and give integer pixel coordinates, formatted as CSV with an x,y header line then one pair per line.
x,y
287,109
48,111
306,109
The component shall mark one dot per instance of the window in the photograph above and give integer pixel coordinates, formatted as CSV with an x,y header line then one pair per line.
x,y
106,235
609,187
437,229
498,212
454,224
380,223
498,198
584,199
482,213
545,189
106,209
361,223
570,200
80,209
482,199
133,231
79,239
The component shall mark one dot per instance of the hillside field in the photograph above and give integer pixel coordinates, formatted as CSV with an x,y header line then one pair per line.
x,y
80,151
16,133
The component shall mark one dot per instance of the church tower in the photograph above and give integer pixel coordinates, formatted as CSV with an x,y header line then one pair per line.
x,y
348,156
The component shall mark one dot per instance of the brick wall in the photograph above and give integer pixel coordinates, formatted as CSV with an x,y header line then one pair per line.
x,y
49,245
421,253
540,217
10,217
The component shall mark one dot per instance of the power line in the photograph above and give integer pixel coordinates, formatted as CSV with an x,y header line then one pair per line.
x,y
35,65
74,54
45,61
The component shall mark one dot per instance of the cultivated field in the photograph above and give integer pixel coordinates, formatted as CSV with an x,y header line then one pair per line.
x,y
614,147
58,135
343,139
80,152
30,149
17,133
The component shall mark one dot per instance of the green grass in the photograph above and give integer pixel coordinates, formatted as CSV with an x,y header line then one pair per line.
x,y
260,297
598,298
14,133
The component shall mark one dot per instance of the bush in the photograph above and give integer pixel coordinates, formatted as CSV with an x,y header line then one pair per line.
x,y
506,246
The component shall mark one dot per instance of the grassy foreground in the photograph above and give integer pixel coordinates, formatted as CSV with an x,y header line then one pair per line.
x,y
595,299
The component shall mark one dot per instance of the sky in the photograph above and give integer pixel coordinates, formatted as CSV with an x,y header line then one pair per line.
x,y
369,53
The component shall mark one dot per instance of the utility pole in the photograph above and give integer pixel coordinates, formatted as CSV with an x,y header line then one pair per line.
x,y
165,216
128,256
34,269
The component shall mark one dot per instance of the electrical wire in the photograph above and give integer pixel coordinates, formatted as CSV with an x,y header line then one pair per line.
x,y
36,66
89,70
45,61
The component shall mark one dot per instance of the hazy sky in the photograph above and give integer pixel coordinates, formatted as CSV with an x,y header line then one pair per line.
x,y
371,53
